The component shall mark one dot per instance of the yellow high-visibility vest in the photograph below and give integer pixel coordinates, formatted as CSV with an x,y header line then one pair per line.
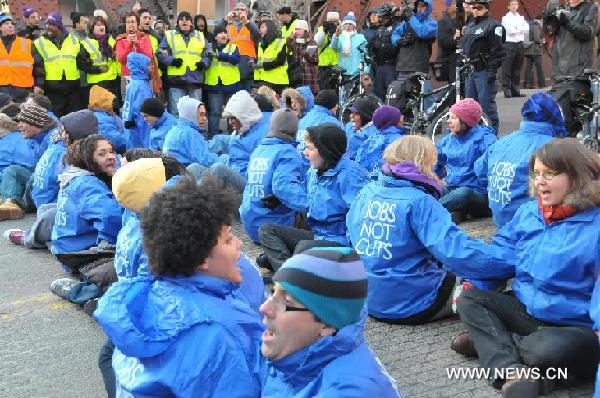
x,y
277,75
228,73
93,48
190,53
58,62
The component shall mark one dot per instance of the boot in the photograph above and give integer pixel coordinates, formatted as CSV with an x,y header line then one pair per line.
x,y
463,345
520,388
10,211
507,93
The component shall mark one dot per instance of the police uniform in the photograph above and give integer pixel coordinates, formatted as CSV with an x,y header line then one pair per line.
x,y
384,57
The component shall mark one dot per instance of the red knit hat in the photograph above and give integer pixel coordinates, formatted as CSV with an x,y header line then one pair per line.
x,y
468,111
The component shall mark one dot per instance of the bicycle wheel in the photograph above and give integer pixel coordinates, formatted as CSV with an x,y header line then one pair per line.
x,y
344,111
439,127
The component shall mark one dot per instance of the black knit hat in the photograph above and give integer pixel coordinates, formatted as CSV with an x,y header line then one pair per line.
x,y
330,140
153,107
184,14
263,103
365,107
219,29
327,98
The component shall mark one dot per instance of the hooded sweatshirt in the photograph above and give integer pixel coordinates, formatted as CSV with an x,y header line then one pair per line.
x,y
138,90
370,153
110,125
163,325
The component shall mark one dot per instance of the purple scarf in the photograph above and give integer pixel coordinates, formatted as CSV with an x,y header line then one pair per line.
x,y
409,171
105,48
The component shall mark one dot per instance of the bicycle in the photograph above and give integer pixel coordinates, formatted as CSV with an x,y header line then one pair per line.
x,y
432,122
585,124
350,88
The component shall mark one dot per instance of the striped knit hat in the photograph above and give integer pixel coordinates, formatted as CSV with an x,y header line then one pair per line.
x,y
34,115
330,281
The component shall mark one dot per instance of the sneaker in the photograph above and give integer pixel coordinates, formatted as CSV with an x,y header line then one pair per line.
x,y
62,287
90,306
10,211
263,262
16,236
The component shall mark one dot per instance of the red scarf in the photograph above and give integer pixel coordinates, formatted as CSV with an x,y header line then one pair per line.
x,y
555,213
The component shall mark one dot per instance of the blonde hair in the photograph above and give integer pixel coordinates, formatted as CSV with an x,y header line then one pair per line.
x,y
416,149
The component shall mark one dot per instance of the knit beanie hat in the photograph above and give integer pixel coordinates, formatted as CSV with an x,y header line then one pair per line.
x,y
285,121
27,11
349,19
365,106
80,124
302,24
541,107
264,104
329,281
467,110
5,17
153,107
102,14
386,116
54,18
219,29
188,109
330,140
136,182
184,14
327,98
34,115
101,99
332,16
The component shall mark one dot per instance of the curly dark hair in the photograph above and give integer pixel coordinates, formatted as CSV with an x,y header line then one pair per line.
x,y
141,153
81,154
181,224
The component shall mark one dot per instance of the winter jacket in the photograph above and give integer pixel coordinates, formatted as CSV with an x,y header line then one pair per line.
x,y
111,127
341,365
572,52
86,213
458,153
44,188
123,47
130,258
370,153
357,138
186,143
137,91
160,129
193,78
252,289
318,115
302,95
556,265
350,62
330,196
534,40
414,39
14,149
211,335
504,168
241,147
276,168
482,43
446,44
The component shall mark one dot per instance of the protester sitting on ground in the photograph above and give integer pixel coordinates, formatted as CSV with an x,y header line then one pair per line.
x,y
14,148
270,95
324,110
332,185
388,122
544,322
407,286
110,125
87,213
192,255
314,340
275,188
270,68
360,127
503,167
36,127
457,152
185,141
301,100
138,90
155,114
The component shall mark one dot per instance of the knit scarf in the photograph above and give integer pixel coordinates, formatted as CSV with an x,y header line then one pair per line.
x,y
347,47
556,212
409,171
105,48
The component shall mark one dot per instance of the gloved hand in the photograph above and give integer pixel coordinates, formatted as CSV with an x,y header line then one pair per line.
x,y
210,53
129,124
491,76
177,62
102,69
200,66
270,201
258,65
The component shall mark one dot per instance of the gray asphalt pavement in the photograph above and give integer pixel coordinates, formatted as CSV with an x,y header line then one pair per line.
x,y
49,347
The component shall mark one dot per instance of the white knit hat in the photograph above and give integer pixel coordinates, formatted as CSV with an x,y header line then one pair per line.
x,y
349,19
302,24
333,16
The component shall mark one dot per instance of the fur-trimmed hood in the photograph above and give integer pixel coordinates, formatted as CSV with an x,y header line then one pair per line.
x,y
7,125
243,107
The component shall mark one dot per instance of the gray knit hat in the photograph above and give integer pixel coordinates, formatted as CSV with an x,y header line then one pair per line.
x,y
80,124
285,121
34,115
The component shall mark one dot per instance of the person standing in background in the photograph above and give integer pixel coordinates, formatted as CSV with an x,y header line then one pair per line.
x,y
32,28
516,28
533,53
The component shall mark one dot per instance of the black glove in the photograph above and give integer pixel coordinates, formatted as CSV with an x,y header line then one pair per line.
x,y
177,62
200,66
270,201
129,124
210,54
491,76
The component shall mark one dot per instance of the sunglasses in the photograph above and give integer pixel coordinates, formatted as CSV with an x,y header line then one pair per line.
x,y
478,8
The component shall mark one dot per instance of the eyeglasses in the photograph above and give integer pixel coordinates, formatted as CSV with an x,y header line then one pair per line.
x,y
478,8
282,306
545,175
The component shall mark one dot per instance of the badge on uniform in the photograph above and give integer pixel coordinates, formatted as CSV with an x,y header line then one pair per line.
x,y
479,31
498,31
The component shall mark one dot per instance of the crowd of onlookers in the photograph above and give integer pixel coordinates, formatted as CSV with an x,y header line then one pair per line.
x,y
137,202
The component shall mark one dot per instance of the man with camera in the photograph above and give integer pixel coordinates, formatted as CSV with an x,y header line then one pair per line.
x,y
481,42
413,38
573,28
328,57
383,51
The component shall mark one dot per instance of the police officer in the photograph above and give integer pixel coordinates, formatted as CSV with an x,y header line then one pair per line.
x,y
383,51
481,42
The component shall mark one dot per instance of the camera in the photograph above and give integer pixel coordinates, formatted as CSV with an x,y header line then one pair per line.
x,y
236,14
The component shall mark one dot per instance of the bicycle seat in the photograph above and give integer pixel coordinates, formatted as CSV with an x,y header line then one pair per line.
x,y
591,72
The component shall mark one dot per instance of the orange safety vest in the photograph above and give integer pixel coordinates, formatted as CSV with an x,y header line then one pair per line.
x,y
16,68
242,40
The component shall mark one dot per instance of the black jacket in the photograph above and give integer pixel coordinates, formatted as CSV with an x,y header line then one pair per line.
x,y
482,43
